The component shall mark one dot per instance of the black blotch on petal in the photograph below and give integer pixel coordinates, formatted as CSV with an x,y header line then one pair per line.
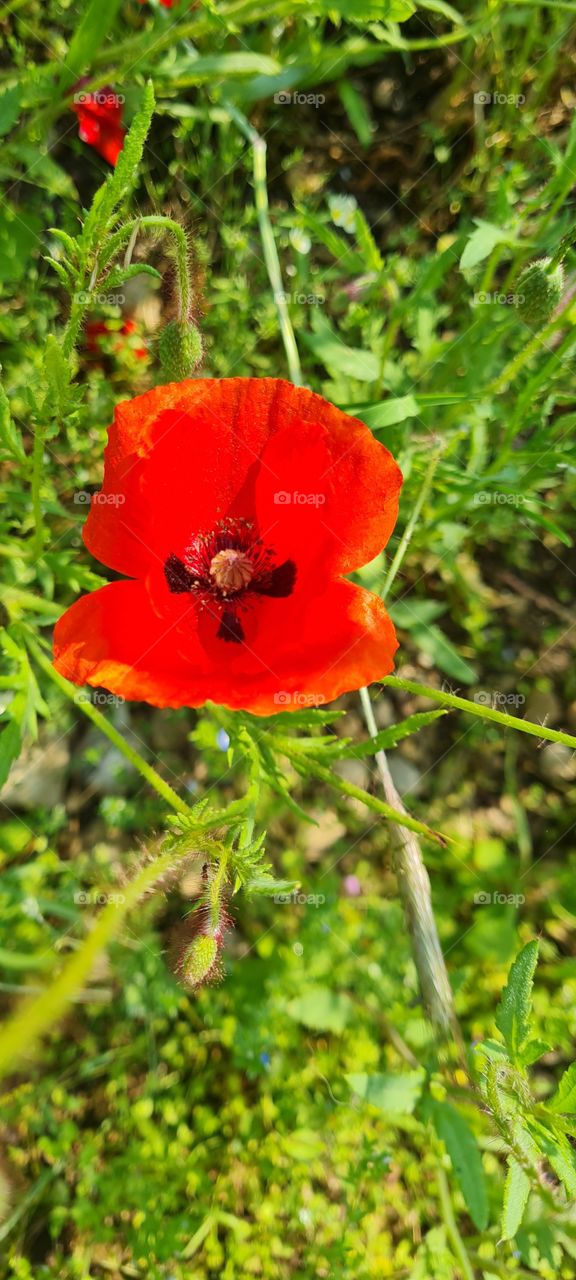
x,y
230,628
280,582
177,575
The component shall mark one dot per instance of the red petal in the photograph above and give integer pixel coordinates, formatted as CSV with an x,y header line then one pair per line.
x,y
297,653
183,456
327,492
100,122
113,638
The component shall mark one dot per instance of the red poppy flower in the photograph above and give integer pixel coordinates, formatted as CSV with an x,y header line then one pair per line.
x,y
166,3
96,330
100,121
235,507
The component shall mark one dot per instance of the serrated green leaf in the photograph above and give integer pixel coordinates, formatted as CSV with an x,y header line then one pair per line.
x,y
532,1051
464,1153
386,739
516,1192
560,1155
512,1017
59,268
564,1099
392,1094
267,886
58,374
119,183
10,442
121,274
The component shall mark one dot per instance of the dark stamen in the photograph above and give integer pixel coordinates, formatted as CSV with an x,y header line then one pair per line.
x,y
279,582
177,575
230,628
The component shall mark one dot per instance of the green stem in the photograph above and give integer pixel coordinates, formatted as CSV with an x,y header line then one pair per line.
x,y
74,325
410,527
181,245
478,709
129,231
91,712
563,248
269,249
312,766
451,1225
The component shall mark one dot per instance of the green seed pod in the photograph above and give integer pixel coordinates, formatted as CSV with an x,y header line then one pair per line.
x,y
538,292
199,960
180,350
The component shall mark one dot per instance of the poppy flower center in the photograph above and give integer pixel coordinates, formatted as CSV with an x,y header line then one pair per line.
x,y
227,570
232,570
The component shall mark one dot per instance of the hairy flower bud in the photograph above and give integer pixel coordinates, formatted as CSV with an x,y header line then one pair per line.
x,y
200,959
180,350
539,291
199,941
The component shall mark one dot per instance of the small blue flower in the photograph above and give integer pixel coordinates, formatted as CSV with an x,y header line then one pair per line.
x,y
223,739
265,1058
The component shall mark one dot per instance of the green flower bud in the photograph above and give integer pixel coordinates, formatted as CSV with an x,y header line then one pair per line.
x,y
200,959
180,350
539,292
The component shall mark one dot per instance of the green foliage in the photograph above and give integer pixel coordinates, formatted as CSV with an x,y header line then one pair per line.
x,y
163,1132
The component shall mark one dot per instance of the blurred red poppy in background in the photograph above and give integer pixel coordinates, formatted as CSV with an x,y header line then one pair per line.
x,y
100,121
235,507
100,332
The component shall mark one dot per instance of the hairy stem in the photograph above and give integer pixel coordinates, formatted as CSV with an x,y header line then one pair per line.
x,y
479,709
525,354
